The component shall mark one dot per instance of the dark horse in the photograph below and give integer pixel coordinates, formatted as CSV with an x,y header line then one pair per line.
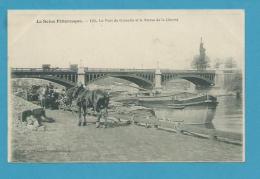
x,y
97,99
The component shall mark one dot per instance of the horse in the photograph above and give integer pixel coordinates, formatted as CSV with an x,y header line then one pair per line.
x,y
97,99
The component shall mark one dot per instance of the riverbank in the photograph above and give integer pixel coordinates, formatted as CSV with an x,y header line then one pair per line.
x,y
64,141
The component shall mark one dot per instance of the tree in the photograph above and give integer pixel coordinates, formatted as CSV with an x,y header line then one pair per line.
x,y
217,63
201,61
230,63
236,85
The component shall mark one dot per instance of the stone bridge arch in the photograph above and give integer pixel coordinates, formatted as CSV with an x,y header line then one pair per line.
x,y
60,81
138,80
195,79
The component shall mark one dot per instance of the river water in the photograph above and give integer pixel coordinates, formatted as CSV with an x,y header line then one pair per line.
x,y
229,114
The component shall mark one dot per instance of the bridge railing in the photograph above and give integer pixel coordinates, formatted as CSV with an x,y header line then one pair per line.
x,y
107,70
186,71
145,70
41,70
117,70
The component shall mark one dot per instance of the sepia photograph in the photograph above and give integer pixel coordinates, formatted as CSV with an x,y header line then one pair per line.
x,y
126,86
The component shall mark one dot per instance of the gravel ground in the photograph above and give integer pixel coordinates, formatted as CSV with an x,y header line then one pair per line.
x,y
64,141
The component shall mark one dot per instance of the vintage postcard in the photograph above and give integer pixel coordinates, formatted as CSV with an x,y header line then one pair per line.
x,y
126,86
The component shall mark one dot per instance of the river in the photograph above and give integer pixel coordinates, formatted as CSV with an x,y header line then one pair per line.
x,y
229,114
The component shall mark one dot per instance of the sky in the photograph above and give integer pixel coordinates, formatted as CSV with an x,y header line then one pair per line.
x,y
123,38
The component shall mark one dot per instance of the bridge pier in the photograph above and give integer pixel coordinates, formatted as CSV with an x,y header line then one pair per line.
x,y
81,75
158,80
219,79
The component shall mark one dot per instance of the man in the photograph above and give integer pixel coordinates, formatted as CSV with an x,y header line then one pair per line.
x,y
51,88
80,88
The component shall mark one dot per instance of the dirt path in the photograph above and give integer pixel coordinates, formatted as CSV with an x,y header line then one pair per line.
x,y
65,141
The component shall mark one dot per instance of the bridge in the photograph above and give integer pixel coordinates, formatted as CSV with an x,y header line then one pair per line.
x,y
145,78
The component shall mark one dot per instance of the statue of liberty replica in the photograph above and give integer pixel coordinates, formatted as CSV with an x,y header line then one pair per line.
x,y
201,61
